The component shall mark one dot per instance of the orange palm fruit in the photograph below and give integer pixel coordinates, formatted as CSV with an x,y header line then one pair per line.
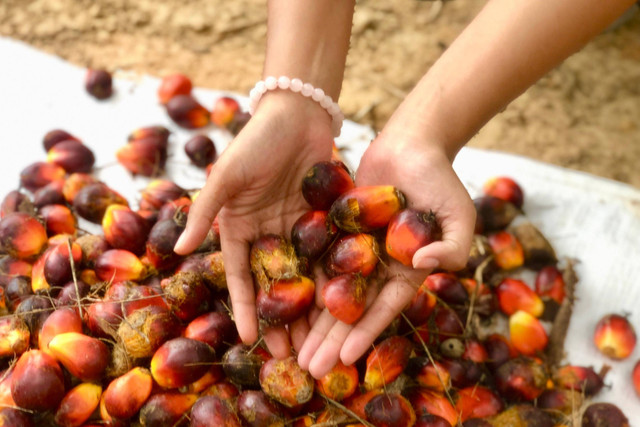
x,y
125,395
15,201
390,410
222,389
55,136
358,401
166,409
273,258
515,295
527,334
72,156
286,300
160,191
224,110
478,402
324,183
78,405
6,378
507,250
431,402
432,375
408,231
14,336
74,183
214,328
22,236
493,214
187,295
447,287
172,85
37,382
58,219
521,378
635,377
117,265
63,319
211,377
285,382
345,297
354,253
92,201
125,229
11,267
364,209
549,282
39,174
580,378
211,411
421,306
187,112
146,329
615,337
256,409
84,356
387,361
475,351
340,383
158,132
181,361
146,157
92,247
504,188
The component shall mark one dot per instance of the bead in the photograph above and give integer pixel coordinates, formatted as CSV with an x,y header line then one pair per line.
x,y
261,87
333,109
284,82
271,83
326,102
307,89
317,94
296,85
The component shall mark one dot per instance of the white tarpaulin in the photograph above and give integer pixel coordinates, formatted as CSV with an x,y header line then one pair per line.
x,y
594,220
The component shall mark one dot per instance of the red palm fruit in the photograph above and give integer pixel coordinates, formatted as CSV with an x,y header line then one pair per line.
x,y
408,231
74,183
478,402
614,336
345,297
463,373
549,283
187,112
72,156
161,240
167,409
603,414
187,295
78,405
38,281
181,361
125,229
332,416
240,119
209,266
364,209
169,209
84,356
223,389
475,351
224,111
387,361
16,201
72,291
39,174
6,378
521,378
355,253
146,157
58,267
172,85
527,334
58,219
213,376
429,420
92,247
17,289
146,329
499,350
138,297
432,375
421,306
312,234
507,250
55,136
103,318
14,336
11,267
358,401
200,150
37,382
285,382
273,258
447,287
160,191
493,214
504,188
579,378
560,400
34,310
257,410
117,265
22,236
286,301
214,328
211,411
98,83
158,132
125,395
324,183
88,276
242,364
15,418
515,295
635,377
448,323
60,321
390,410
340,383
425,401
92,201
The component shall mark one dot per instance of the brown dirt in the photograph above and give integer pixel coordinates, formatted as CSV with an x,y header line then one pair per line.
x,y
584,115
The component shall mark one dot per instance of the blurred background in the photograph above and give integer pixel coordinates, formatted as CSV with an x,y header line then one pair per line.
x,y
584,115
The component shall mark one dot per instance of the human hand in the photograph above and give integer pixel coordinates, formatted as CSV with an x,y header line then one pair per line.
x,y
424,174
255,189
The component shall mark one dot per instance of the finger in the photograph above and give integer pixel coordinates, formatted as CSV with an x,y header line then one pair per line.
x,y
277,341
320,279
298,331
313,315
393,297
328,353
314,339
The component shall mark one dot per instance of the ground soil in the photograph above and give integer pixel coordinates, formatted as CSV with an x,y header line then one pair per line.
x,y
583,115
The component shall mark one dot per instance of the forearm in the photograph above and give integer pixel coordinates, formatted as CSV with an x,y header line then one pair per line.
x,y
508,47
309,39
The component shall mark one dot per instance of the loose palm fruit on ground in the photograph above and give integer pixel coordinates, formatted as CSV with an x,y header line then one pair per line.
x,y
161,240
286,300
15,418
200,150
560,400
58,219
181,361
167,409
527,334
447,287
272,258
537,250
521,378
55,136
211,411
421,306
224,110
363,209
125,395
14,336
603,415
285,382
146,157
345,297
387,361
50,194
390,410
425,401
522,415
84,356
146,329
579,378
515,295
429,420
187,112
507,250
37,382
160,191
172,85
92,201
98,83
214,328
117,265
312,234
504,188
615,337
340,383
78,405
16,201
125,229
58,268
72,156
354,253
257,410
39,174
478,402
242,364
187,295
59,321
22,236
324,183
550,283
408,231
74,183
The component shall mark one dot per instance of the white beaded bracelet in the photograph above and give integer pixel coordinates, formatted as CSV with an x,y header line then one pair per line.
x,y
305,89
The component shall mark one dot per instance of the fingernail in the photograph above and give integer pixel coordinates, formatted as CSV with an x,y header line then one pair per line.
x,y
425,263
180,243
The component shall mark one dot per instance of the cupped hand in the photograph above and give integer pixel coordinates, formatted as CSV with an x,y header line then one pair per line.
x,y
255,188
423,172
